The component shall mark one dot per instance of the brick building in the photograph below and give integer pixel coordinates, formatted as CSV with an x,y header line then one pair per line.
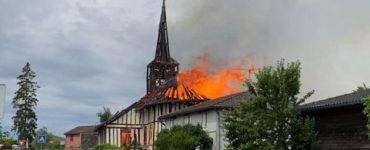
x,y
81,137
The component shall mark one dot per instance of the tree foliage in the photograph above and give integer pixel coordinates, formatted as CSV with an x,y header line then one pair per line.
x,y
187,137
367,113
106,147
3,134
362,87
132,146
25,102
5,138
269,119
104,115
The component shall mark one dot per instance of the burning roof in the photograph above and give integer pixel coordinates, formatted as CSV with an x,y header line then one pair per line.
x,y
172,91
215,82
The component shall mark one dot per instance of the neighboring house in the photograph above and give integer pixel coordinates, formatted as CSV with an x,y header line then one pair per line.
x,y
207,114
81,137
340,121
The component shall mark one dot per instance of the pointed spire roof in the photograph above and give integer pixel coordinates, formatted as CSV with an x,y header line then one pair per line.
x,y
163,51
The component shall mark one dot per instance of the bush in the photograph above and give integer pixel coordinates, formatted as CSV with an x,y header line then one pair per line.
x,y
7,141
6,147
133,146
187,137
367,113
106,147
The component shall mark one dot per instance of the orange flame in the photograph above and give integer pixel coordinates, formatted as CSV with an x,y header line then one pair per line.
x,y
214,84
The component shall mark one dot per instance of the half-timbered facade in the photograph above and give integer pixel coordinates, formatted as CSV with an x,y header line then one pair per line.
x,y
170,97
122,128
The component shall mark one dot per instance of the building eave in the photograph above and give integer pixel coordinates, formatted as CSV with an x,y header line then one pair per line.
x,y
353,99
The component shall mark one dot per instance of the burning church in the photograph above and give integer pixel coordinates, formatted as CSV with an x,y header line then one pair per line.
x,y
164,94
191,96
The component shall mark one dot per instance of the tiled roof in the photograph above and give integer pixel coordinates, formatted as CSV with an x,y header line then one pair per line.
x,y
346,100
81,129
223,102
351,99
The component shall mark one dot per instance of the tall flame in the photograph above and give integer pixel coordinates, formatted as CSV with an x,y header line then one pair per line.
x,y
223,81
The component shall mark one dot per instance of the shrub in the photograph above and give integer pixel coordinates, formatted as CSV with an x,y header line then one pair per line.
x,y
187,137
106,147
7,141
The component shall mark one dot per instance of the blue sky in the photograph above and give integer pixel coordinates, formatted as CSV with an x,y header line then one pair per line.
x,y
91,53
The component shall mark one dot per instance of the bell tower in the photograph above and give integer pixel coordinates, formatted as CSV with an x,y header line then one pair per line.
x,y
163,67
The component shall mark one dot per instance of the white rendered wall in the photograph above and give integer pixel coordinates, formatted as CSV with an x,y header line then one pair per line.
x,y
210,121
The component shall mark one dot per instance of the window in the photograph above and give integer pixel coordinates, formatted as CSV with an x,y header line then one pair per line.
x,y
170,109
186,119
161,107
204,119
71,138
145,135
151,134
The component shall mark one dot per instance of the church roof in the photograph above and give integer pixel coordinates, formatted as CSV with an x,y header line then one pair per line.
x,y
346,100
171,91
229,101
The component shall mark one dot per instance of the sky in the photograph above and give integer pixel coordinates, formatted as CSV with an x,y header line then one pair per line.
x,y
93,53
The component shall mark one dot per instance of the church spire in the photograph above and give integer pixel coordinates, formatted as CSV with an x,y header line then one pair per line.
x,y
163,51
163,67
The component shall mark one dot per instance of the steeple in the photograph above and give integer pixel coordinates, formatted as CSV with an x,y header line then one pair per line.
x,y
163,67
163,51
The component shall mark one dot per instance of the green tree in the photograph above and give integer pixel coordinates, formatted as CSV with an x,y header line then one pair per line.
x,y
362,87
104,115
25,102
367,113
187,137
1,131
269,119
